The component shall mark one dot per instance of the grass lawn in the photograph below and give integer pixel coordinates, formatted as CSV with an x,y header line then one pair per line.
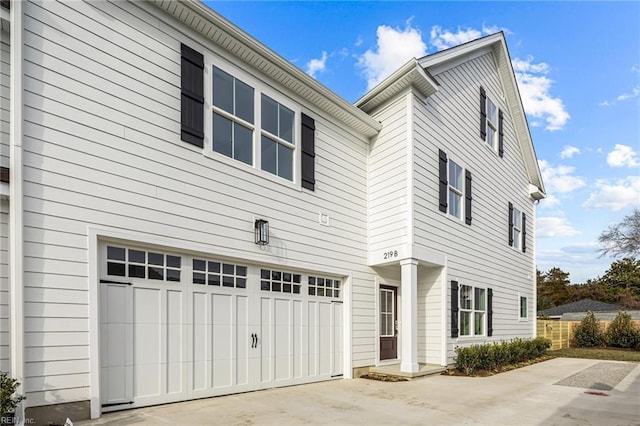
x,y
613,354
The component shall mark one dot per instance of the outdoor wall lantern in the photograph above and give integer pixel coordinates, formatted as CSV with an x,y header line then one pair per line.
x,y
262,232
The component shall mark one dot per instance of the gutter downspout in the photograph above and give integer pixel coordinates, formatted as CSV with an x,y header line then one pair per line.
x,y
16,269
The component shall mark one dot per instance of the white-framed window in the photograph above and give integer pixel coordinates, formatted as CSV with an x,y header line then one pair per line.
x,y
472,311
252,124
277,142
456,190
492,125
516,230
523,308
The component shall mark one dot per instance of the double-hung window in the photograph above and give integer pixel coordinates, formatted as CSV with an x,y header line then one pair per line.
x,y
456,189
277,143
233,117
516,231
523,308
492,125
473,308
251,126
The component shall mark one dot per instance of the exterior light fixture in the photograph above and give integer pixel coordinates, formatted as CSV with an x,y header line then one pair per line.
x,y
262,232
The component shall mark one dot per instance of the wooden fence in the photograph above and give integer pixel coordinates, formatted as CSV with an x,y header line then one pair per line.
x,y
561,332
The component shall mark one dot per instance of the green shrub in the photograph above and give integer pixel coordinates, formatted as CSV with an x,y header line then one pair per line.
x,y
8,387
588,333
493,356
622,332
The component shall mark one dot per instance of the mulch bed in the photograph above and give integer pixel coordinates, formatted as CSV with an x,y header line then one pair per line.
x,y
384,377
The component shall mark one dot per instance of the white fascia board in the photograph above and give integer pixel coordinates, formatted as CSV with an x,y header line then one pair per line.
x,y
411,74
213,26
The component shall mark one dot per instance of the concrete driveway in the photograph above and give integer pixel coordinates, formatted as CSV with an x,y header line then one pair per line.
x,y
561,391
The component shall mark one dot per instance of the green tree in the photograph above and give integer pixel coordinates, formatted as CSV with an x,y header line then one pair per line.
x,y
622,239
552,288
623,275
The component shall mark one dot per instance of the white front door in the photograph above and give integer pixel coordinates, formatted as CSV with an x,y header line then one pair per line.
x,y
175,328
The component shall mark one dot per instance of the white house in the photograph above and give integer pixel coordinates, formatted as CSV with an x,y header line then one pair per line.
x,y
184,213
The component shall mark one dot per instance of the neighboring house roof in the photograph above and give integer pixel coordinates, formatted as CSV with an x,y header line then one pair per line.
x,y
584,305
496,43
602,316
238,43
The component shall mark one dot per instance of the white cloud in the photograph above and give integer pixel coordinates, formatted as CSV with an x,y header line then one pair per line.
x,y
559,179
315,66
623,156
549,201
395,46
635,92
443,39
635,68
615,195
569,151
550,227
535,89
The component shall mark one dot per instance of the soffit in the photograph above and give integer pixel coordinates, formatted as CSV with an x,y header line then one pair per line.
x,y
241,45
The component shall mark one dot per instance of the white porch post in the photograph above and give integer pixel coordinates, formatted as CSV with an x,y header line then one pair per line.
x,y
409,288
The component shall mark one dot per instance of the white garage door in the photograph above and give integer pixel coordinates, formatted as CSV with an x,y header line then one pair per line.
x,y
175,327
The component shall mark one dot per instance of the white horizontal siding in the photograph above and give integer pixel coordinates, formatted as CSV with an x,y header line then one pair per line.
x,y
4,286
479,254
429,316
5,77
388,178
102,147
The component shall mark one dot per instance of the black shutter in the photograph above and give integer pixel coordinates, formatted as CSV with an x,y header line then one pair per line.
x,y
510,225
524,233
467,196
192,99
500,134
308,166
454,308
489,312
443,180
483,114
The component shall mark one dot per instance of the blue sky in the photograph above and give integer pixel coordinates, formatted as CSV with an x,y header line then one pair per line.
x,y
577,66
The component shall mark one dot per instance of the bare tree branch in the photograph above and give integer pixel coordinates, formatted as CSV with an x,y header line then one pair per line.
x,y
622,239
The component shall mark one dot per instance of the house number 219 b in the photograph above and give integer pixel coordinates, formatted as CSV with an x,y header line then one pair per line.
x,y
390,254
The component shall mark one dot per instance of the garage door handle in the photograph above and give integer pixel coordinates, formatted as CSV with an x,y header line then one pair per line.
x,y
254,340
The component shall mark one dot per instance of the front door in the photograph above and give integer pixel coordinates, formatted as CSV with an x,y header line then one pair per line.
x,y
388,321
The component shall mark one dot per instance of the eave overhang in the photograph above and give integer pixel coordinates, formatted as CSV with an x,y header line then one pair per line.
x,y
411,74
236,42
497,44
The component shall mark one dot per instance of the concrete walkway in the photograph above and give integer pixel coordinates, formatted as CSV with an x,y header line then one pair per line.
x,y
527,396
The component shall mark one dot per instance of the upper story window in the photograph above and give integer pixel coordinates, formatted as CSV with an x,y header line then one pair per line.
x,y
235,134
455,189
517,228
491,123
277,143
473,307
233,117
249,121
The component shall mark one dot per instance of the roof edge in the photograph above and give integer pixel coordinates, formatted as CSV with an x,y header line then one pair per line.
x,y
239,43
411,74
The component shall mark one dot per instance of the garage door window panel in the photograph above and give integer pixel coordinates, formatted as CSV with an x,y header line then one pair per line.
x,y
279,281
219,274
132,263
